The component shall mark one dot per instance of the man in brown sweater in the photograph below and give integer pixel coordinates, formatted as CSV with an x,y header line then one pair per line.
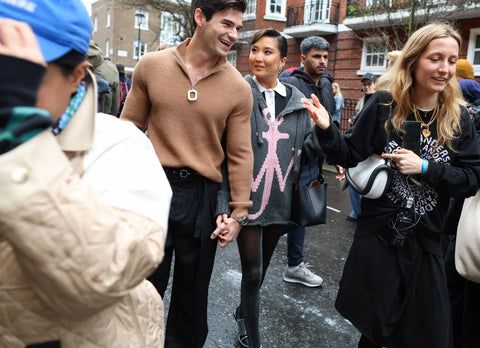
x,y
190,98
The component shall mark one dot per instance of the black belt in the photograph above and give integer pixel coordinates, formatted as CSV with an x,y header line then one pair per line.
x,y
183,172
52,344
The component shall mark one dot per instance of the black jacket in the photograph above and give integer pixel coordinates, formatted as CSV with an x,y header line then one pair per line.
x,y
305,84
384,290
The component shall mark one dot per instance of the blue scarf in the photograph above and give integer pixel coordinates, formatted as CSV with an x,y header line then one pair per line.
x,y
71,109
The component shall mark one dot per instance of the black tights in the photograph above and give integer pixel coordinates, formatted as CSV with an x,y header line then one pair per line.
x,y
256,245
365,343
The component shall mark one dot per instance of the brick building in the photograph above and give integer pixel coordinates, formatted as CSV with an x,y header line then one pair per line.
x,y
122,30
358,31
350,28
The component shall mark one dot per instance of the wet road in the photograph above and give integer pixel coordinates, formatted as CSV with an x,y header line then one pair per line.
x,y
292,315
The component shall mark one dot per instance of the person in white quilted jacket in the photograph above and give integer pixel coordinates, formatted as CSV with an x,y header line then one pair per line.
x,y
84,200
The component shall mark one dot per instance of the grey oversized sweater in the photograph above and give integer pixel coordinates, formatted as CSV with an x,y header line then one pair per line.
x,y
277,149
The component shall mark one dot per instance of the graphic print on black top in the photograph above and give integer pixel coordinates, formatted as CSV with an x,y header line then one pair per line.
x,y
425,197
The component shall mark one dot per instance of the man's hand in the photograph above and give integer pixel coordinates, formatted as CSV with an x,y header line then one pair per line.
x,y
227,230
18,40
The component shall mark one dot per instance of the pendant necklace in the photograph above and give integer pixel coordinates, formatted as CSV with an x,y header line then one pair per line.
x,y
425,125
192,95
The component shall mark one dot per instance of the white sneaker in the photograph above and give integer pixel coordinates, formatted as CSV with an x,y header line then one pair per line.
x,y
302,275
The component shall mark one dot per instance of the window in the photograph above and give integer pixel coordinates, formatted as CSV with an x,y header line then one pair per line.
x,y
275,7
374,56
143,49
95,23
171,29
232,58
108,18
317,11
473,50
275,10
250,12
436,2
141,17
378,3
107,47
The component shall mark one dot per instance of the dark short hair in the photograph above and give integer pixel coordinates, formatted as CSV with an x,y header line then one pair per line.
x,y
281,41
210,7
120,68
313,42
69,61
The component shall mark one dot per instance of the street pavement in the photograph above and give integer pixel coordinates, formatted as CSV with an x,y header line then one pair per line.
x,y
292,315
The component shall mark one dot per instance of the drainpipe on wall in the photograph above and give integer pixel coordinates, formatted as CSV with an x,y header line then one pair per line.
x,y
336,40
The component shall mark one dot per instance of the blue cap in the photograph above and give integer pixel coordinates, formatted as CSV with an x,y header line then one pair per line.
x,y
59,25
368,76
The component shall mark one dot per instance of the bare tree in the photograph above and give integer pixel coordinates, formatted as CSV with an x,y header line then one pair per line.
x,y
180,13
395,20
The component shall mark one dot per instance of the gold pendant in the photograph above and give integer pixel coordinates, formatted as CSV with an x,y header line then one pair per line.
x,y
426,132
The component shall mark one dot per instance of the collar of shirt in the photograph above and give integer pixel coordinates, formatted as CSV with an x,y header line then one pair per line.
x,y
270,95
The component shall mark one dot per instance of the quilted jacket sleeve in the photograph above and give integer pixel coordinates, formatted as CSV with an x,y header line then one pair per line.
x,y
80,254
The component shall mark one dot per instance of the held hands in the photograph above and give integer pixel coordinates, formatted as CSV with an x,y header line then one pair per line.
x,y
18,40
227,230
406,161
318,113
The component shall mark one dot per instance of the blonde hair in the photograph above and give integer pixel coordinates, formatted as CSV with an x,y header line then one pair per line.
x,y
393,55
337,86
399,81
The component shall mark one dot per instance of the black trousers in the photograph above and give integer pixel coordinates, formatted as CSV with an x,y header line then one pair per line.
x,y
191,222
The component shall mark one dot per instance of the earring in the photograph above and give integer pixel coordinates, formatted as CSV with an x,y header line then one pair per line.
x,y
280,69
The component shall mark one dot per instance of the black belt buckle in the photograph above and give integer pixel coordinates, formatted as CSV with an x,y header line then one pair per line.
x,y
184,173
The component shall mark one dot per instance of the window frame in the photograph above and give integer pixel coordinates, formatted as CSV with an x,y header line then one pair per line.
x,y
232,57
251,10
471,49
108,19
273,15
374,69
324,12
376,3
144,25
135,44
167,36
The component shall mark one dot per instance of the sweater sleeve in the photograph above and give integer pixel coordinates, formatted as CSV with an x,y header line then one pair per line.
x,y
239,153
367,136
137,105
19,119
461,178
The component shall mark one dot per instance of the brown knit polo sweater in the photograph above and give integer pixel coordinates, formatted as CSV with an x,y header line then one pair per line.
x,y
188,133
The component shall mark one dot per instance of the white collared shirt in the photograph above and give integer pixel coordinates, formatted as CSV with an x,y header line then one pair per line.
x,y
270,95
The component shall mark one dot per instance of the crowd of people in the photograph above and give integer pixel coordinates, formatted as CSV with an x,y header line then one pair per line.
x,y
99,216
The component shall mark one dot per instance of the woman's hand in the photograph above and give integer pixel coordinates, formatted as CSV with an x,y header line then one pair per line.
x,y
318,113
407,161
227,230
18,40
340,173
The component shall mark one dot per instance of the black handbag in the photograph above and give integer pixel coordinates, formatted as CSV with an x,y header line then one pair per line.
x,y
309,203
